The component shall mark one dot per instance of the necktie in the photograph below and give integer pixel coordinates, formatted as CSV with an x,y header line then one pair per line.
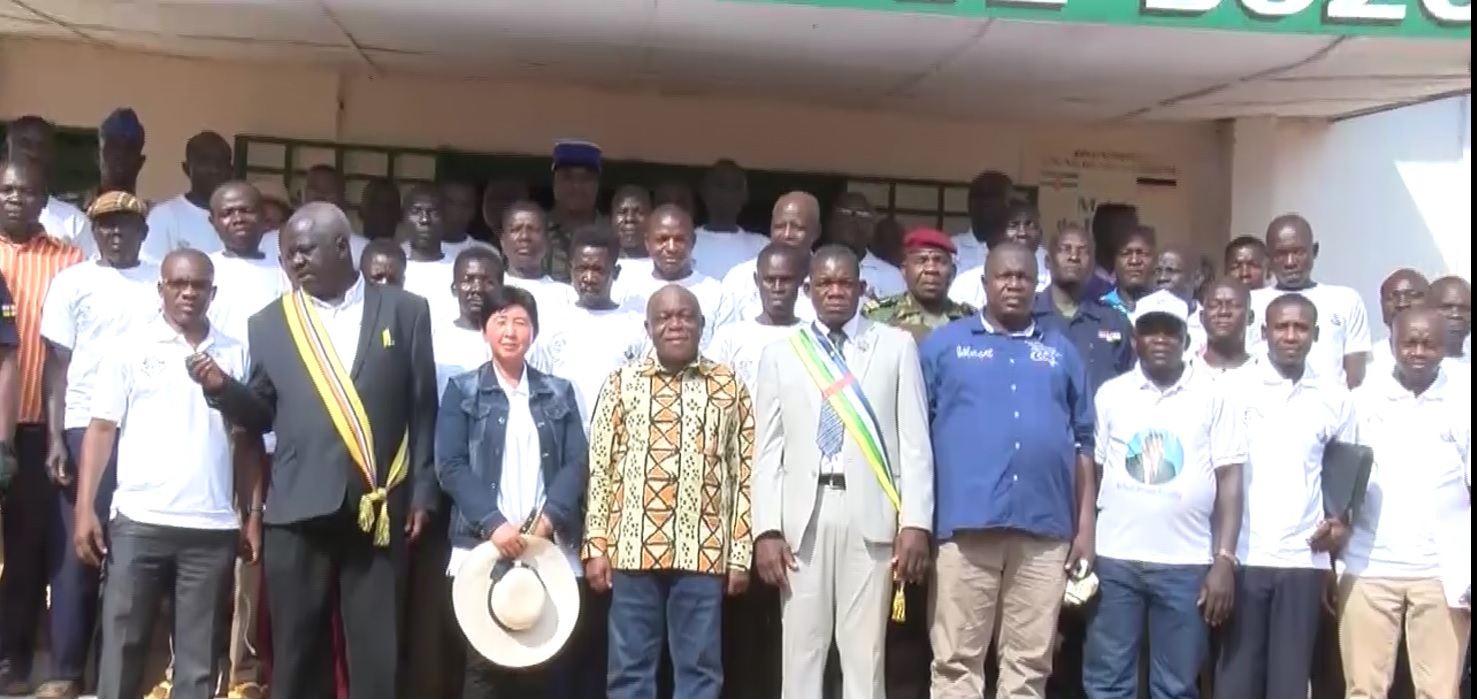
x,y
830,432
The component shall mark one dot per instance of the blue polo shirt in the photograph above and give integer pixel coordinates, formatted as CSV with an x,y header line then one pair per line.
x,y
1008,414
1101,334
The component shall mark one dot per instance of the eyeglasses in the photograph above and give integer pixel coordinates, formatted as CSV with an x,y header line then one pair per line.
x,y
192,284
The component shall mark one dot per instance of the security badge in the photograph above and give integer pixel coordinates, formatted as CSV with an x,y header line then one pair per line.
x,y
1112,336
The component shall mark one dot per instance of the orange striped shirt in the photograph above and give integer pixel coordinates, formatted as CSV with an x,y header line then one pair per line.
x,y
29,268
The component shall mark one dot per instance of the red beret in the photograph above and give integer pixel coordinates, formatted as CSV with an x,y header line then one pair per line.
x,y
928,238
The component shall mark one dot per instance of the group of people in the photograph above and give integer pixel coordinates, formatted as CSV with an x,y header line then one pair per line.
x,y
777,464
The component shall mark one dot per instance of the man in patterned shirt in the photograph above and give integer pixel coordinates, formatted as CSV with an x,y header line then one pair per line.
x,y
671,450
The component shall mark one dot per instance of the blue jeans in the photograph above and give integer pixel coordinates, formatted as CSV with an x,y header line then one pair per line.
x,y
1128,594
687,609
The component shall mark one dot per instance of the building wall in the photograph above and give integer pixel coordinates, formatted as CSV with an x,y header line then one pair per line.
x,y
1383,191
77,85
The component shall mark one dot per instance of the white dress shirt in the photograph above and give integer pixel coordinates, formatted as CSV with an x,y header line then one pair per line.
x,y
145,389
342,321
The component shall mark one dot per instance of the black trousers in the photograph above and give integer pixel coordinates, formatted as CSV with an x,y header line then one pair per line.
x,y
303,563
1267,649
577,672
751,643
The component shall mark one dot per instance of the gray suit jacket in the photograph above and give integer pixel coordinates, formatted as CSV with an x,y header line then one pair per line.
x,y
312,472
787,462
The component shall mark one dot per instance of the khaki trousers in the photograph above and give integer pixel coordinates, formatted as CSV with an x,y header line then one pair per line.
x,y
1371,614
982,575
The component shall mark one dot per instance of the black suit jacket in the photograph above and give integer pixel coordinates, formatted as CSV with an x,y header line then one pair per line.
x,y
312,472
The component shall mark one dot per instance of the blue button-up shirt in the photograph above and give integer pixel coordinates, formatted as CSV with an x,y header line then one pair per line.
x,y
1008,413
1102,336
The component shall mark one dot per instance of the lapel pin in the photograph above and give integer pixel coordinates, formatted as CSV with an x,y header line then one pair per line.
x,y
385,339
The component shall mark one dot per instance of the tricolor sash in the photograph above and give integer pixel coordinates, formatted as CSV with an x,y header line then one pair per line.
x,y
840,389
341,400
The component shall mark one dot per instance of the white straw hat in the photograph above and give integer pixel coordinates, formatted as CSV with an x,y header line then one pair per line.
x,y
520,613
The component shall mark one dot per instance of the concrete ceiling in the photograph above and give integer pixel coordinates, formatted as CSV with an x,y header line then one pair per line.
x,y
966,68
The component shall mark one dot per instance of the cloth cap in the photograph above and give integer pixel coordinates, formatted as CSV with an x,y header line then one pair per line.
x,y
123,124
116,202
569,153
1158,308
928,238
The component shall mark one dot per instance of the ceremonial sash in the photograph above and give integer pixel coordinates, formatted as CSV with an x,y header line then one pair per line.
x,y
341,400
839,387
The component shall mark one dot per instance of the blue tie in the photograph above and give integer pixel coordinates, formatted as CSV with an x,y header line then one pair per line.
x,y
830,433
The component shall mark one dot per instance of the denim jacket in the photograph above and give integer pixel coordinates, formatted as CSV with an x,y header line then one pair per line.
x,y
470,430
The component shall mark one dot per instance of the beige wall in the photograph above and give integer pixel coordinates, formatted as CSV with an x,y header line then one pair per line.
x,y
77,85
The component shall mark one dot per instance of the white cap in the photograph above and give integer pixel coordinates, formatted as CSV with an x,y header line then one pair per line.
x,y
1161,302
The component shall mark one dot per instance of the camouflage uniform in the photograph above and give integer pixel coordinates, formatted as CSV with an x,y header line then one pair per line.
x,y
902,312
559,236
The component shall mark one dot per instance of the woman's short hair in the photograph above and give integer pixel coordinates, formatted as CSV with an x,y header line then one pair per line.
x,y
502,298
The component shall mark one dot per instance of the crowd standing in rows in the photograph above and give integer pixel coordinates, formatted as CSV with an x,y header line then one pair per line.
x,y
1015,460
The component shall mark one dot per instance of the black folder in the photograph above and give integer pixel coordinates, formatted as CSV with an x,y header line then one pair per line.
x,y
1346,470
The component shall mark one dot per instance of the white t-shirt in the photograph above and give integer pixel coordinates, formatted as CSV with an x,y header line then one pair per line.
x,y
457,351
242,287
968,286
969,253
68,223
176,224
93,311
588,347
636,291
1287,425
1343,325
432,281
1418,488
741,296
738,345
554,299
145,389
453,249
1159,450
881,277
717,252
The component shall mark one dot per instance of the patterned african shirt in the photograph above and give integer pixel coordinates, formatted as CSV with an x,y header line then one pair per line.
x,y
670,458
556,258
902,312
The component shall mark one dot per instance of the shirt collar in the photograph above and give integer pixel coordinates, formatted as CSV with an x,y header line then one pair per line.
x,y
354,295
651,366
1148,384
989,329
1390,389
852,327
163,333
520,389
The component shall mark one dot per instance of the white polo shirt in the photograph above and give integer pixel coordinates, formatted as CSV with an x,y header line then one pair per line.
x,y
176,224
1287,425
1159,450
1419,487
145,389
1343,325
93,310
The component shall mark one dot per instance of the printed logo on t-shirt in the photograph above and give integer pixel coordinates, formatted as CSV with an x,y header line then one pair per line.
x,y
1155,457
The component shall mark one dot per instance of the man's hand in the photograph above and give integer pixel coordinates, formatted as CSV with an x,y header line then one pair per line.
x,y
56,461
251,538
1083,554
508,540
597,573
543,528
206,372
87,535
774,561
1331,536
738,582
1218,592
416,524
910,554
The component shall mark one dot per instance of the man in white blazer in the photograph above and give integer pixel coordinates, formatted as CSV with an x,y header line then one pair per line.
x,y
843,481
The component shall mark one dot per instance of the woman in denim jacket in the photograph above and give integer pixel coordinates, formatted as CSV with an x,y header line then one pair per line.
x,y
509,439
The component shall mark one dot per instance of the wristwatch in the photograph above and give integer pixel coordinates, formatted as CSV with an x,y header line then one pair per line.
x,y
1230,557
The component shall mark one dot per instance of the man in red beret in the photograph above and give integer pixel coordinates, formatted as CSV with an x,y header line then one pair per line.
x,y
928,268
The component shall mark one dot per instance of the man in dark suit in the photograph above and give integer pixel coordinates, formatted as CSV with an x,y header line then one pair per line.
x,y
342,371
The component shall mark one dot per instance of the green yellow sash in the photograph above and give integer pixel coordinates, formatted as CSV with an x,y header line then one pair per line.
x,y
829,373
341,400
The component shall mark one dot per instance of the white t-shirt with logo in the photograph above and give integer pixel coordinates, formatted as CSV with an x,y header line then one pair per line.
x,y
1288,425
1417,507
586,348
93,311
1160,450
637,290
738,345
1343,325
177,223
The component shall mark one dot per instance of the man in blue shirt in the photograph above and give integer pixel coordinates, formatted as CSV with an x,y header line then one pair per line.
x,y
1101,335
1011,419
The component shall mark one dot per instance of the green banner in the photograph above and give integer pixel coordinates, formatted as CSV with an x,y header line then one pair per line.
x,y
1431,19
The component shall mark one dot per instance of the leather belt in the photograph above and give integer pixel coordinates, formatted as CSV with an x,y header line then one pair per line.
x,y
832,480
